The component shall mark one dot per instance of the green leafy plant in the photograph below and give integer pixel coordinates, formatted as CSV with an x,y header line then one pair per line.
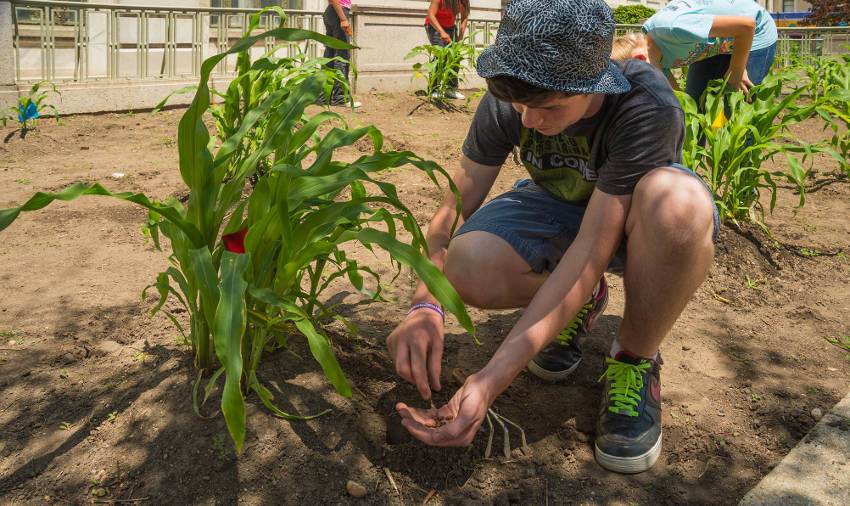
x,y
818,73
444,64
29,107
254,84
756,129
218,448
632,14
250,267
753,284
842,341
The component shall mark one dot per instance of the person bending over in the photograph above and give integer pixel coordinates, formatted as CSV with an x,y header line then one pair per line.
x,y
715,39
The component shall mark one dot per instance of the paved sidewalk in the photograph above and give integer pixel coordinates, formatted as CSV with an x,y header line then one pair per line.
x,y
817,471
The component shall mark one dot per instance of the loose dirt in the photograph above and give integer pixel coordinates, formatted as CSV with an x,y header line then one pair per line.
x,y
95,401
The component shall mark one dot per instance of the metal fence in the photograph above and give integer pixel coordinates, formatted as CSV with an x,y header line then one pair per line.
x,y
67,41
814,41
75,42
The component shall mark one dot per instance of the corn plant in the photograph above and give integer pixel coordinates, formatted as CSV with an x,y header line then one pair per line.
x,y
444,64
30,106
250,267
817,71
254,83
756,129
834,109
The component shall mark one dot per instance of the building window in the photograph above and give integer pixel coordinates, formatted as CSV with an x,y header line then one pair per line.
x,y
788,6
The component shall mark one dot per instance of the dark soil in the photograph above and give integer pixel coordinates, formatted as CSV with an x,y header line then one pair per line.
x,y
96,401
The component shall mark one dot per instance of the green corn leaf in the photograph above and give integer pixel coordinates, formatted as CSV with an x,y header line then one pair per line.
x,y
319,346
230,321
208,283
41,200
164,288
207,391
266,397
321,350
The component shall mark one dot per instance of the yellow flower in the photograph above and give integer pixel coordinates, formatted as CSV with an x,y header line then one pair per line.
x,y
719,121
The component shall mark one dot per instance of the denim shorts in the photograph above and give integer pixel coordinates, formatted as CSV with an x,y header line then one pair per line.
x,y
541,227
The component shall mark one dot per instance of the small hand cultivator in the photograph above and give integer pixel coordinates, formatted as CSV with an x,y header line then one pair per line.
x,y
460,377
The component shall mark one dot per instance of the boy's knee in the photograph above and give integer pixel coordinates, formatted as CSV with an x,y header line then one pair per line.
x,y
675,204
460,267
476,267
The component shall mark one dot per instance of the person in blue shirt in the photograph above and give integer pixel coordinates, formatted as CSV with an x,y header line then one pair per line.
x,y
715,39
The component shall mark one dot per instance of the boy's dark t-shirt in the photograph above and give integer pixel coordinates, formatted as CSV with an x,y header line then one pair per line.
x,y
633,133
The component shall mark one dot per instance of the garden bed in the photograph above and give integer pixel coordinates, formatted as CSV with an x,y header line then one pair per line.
x,y
96,396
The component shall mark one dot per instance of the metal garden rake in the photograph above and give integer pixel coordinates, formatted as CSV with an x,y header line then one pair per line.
x,y
460,377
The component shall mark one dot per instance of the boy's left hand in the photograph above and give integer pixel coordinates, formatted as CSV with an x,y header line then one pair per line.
x,y
454,424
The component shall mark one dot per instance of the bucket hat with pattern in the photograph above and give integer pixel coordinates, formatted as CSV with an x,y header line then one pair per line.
x,y
561,45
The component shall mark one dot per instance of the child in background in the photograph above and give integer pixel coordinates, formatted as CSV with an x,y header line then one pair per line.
x,y
713,38
338,26
441,29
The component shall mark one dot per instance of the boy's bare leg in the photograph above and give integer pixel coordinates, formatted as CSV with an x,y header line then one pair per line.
x,y
488,273
670,251
669,228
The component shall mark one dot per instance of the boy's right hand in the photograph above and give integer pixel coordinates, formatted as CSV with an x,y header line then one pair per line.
x,y
416,348
445,37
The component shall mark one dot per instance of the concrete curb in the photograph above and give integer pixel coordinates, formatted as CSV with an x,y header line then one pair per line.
x,y
817,471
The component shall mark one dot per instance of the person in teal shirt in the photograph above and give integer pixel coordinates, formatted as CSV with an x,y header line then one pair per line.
x,y
714,38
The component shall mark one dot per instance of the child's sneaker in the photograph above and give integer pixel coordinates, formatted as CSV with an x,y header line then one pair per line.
x,y
561,357
628,434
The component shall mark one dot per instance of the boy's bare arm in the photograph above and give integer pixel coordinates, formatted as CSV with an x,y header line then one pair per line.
x,y
416,345
557,301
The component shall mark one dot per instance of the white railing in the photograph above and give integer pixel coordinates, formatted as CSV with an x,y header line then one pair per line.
x,y
66,41
75,42
803,41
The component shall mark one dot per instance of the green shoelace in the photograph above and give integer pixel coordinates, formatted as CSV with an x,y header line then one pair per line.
x,y
626,382
566,335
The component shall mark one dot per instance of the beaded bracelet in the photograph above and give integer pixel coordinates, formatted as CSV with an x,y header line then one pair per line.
x,y
429,306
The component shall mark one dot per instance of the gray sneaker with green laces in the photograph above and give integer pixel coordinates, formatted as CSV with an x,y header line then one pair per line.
x,y
561,357
628,433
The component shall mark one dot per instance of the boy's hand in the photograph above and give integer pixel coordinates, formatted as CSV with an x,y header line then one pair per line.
x,y
445,37
454,424
416,347
346,26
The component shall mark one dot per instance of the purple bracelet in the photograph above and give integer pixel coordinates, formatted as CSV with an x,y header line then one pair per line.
x,y
429,306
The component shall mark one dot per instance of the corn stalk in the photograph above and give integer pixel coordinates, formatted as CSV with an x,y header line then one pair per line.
x,y
250,266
